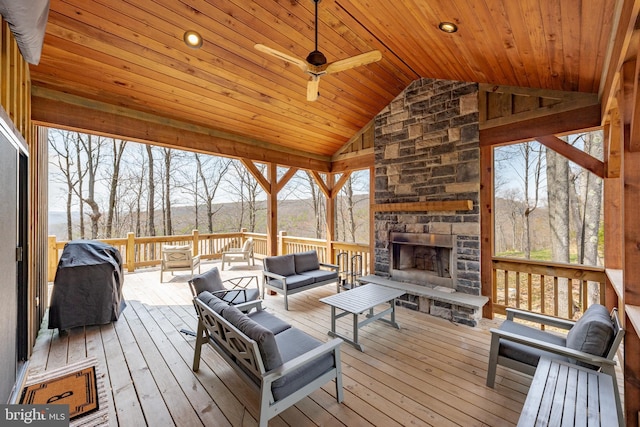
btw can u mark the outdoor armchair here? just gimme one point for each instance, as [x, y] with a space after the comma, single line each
[178, 258]
[592, 342]
[243, 254]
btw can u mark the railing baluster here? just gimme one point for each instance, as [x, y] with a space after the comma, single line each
[555, 295]
[570, 297]
[506, 287]
[585, 295]
[542, 294]
[517, 289]
[530, 291]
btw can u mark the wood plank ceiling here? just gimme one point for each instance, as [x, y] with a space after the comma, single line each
[130, 54]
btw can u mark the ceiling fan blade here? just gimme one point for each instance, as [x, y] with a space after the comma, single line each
[354, 61]
[288, 58]
[312, 88]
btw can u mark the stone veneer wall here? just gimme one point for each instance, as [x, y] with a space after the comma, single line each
[427, 149]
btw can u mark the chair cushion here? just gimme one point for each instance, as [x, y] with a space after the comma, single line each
[306, 261]
[320, 275]
[269, 321]
[283, 265]
[215, 303]
[524, 353]
[293, 343]
[240, 296]
[593, 332]
[208, 281]
[261, 335]
[176, 247]
[247, 245]
[293, 282]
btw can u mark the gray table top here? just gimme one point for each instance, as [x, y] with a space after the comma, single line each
[362, 298]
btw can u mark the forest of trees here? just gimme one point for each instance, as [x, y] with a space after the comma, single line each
[548, 208]
[108, 187]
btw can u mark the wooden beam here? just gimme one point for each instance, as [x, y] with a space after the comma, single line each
[353, 162]
[255, 172]
[321, 184]
[339, 184]
[436, 205]
[579, 119]
[626, 14]
[286, 178]
[631, 76]
[574, 154]
[150, 129]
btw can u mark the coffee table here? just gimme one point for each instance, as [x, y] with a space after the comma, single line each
[358, 300]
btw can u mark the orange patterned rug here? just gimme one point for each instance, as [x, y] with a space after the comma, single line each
[77, 385]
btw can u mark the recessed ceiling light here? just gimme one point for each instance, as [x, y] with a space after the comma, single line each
[192, 39]
[448, 27]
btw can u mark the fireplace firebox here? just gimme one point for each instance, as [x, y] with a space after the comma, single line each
[423, 258]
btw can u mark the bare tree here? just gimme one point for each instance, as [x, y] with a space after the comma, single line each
[151, 201]
[92, 145]
[558, 200]
[118, 151]
[211, 171]
[61, 143]
[318, 206]
[247, 189]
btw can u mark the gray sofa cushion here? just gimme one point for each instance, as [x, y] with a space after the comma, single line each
[293, 282]
[293, 343]
[283, 265]
[306, 261]
[208, 281]
[215, 303]
[593, 332]
[321, 275]
[525, 353]
[269, 321]
[264, 337]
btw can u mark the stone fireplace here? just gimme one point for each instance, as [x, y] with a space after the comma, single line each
[427, 151]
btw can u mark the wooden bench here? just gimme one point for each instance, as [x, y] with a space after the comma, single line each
[459, 301]
[564, 394]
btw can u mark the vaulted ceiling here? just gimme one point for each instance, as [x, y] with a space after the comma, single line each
[130, 54]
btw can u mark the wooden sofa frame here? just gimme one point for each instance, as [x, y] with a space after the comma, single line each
[243, 355]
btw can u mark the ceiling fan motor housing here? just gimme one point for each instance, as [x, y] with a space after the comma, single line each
[316, 58]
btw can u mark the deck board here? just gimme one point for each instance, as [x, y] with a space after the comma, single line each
[430, 372]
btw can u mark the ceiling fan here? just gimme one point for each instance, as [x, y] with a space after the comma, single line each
[316, 63]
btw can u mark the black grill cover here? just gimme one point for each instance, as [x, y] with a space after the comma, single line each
[88, 286]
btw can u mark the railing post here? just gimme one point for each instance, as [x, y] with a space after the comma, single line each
[52, 255]
[281, 245]
[131, 252]
[196, 242]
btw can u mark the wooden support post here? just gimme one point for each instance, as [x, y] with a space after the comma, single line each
[53, 258]
[486, 227]
[372, 218]
[282, 248]
[631, 201]
[196, 242]
[272, 209]
[131, 252]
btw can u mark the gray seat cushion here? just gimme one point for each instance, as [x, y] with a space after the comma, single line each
[306, 261]
[293, 343]
[593, 333]
[524, 353]
[262, 336]
[269, 321]
[283, 265]
[208, 281]
[320, 275]
[239, 296]
[293, 282]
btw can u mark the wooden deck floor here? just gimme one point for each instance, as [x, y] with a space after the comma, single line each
[430, 372]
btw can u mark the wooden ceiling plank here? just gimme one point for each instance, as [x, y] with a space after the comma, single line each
[573, 154]
[110, 46]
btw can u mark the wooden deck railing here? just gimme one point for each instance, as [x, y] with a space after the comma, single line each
[536, 286]
[139, 252]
